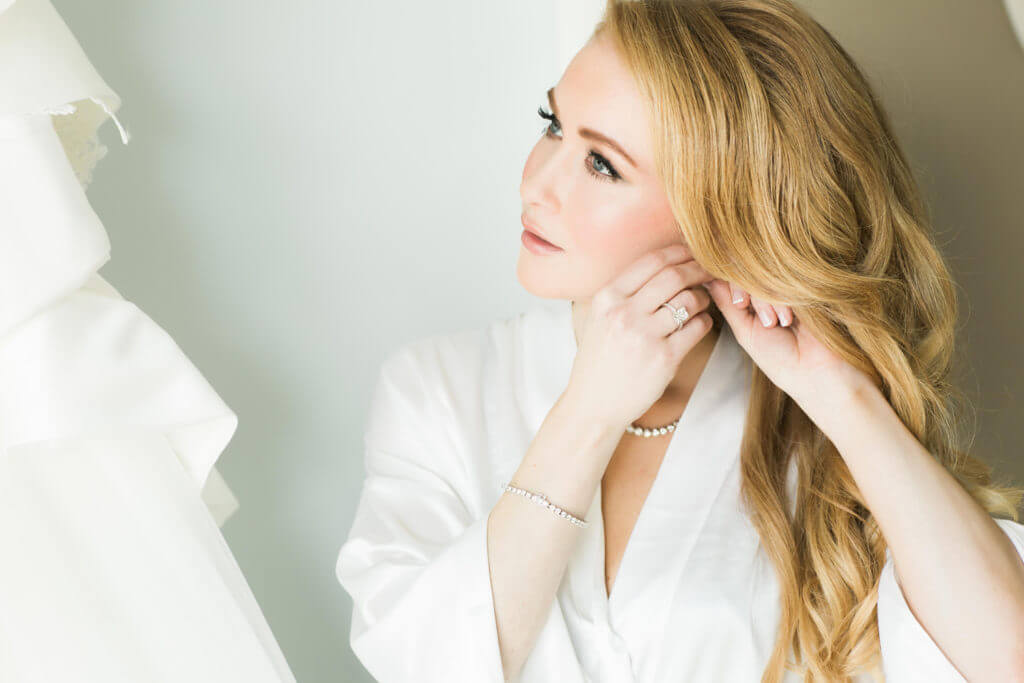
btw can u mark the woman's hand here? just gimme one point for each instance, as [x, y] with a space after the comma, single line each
[791, 357]
[629, 347]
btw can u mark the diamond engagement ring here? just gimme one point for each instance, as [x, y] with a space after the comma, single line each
[680, 315]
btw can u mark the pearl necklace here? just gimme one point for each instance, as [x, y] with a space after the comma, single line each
[654, 431]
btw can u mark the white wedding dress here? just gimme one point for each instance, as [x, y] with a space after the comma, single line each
[113, 566]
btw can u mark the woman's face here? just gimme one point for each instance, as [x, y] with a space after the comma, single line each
[602, 206]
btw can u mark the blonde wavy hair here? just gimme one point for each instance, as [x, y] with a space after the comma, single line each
[783, 173]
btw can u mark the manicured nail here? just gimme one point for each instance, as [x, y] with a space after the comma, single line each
[737, 299]
[766, 319]
[784, 319]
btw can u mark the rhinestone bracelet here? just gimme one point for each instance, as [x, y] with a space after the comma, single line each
[543, 500]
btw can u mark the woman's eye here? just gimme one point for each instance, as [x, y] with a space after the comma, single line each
[552, 121]
[600, 160]
[591, 168]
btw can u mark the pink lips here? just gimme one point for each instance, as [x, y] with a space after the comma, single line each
[534, 241]
[537, 245]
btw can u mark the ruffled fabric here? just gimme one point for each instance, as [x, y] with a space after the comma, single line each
[64, 373]
[44, 70]
[114, 567]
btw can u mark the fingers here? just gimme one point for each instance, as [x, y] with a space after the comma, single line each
[647, 266]
[739, 297]
[765, 312]
[738, 315]
[785, 314]
[768, 314]
[695, 301]
[687, 336]
[667, 283]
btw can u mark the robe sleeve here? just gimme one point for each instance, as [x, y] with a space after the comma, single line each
[908, 653]
[415, 560]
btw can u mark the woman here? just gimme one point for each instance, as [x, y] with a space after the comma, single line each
[739, 415]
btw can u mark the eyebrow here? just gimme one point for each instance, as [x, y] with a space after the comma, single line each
[591, 134]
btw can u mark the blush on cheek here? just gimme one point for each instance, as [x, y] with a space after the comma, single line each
[599, 234]
[614, 250]
[624, 230]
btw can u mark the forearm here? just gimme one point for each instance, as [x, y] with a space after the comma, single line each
[528, 546]
[961, 575]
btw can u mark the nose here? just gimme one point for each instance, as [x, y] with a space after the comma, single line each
[541, 181]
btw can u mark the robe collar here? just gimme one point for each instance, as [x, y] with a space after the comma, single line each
[700, 466]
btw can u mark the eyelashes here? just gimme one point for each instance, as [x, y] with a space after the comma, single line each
[589, 167]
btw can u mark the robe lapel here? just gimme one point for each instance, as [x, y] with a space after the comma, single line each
[702, 453]
[693, 497]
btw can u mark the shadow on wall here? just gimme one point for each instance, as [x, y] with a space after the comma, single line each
[1015, 8]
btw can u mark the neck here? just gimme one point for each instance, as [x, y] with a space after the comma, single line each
[677, 392]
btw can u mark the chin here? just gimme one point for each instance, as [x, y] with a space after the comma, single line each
[553, 283]
[546, 283]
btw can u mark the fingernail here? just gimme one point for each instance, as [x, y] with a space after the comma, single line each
[784, 319]
[737, 299]
[765, 319]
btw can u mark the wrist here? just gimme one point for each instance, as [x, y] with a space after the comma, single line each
[837, 400]
[588, 417]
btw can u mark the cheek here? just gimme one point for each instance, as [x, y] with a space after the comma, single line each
[613, 231]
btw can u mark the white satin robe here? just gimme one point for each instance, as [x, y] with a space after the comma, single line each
[695, 597]
[112, 565]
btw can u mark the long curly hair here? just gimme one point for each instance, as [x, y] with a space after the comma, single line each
[783, 173]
